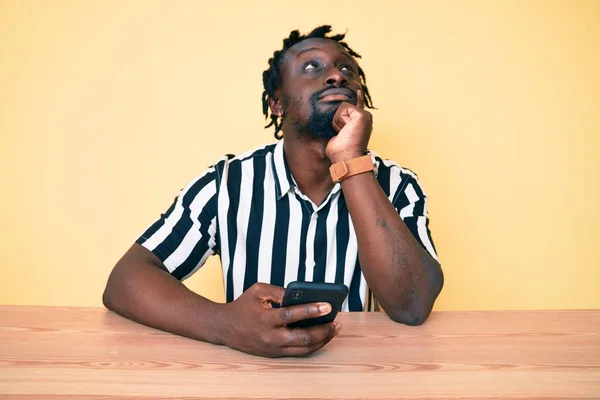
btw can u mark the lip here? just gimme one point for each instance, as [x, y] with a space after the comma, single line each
[337, 94]
[336, 97]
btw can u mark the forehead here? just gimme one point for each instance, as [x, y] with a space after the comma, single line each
[328, 46]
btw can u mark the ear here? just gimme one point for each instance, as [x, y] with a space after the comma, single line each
[275, 104]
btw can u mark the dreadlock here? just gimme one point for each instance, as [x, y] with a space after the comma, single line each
[272, 76]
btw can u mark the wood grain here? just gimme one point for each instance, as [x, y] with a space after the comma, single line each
[83, 353]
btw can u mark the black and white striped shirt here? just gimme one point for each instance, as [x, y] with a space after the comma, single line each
[249, 210]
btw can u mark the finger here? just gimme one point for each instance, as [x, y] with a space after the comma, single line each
[268, 293]
[341, 116]
[337, 124]
[337, 121]
[306, 337]
[361, 100]
[301, 351]
[288, 315]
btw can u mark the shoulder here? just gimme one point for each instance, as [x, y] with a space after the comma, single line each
[259, 152]
[389, 167]
[211, 178]
[395, 178]
[392, 166]
[237, 163]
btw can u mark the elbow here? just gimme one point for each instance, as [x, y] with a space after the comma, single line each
[107, 296]
[111, 291]
[437, 282]
[106, 299]
[418, 310]
[409, 317]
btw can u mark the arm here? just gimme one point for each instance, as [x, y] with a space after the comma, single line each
[405, 279]
[140, 289]
[145, 286]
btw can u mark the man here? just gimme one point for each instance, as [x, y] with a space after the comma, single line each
[312, 207]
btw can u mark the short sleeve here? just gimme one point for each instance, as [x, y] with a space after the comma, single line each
[411, 202]
[186, 234]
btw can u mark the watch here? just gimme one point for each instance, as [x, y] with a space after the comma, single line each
[344, 169]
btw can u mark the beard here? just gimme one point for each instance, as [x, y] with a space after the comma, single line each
[320, 123]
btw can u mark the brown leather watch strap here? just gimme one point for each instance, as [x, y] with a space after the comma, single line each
[344, 169]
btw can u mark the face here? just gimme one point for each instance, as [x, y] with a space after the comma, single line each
[317, 76]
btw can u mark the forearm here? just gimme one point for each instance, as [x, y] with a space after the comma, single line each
[405, 279]
[140, 290]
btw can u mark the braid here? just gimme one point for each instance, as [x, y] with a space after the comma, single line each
[272, 76]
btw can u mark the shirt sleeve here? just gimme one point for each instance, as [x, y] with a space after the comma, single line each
[411, 202]
[186, 234]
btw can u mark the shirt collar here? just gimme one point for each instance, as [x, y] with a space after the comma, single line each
[283, 176]
[281, 171]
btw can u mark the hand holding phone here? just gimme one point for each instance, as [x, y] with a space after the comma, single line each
[315, 292]
[253, 324]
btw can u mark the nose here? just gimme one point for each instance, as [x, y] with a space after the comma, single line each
[334, 77]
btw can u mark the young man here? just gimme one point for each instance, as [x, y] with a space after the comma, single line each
[316, 206]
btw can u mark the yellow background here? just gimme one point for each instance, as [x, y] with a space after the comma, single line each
[108, 108]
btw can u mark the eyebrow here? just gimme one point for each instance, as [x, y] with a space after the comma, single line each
[319, 49]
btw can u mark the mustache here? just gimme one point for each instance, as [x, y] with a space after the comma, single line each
[314, 99]
[319, 93]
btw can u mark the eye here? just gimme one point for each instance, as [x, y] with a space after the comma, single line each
[346, 68]
[310, 66]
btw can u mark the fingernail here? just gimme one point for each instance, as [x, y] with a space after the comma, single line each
[324, 308]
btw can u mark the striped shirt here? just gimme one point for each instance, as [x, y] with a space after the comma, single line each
[249, 210]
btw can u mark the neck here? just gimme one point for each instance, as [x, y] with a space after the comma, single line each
[309, 165]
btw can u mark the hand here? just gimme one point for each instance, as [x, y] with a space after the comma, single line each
[354, 125]
[255, 327]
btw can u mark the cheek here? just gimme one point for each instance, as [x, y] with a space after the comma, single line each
[291, 103]
[297, 104]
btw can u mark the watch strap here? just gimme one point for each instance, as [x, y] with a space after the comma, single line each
[347, 168]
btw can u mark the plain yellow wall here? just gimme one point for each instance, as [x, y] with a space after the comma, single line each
[108, 108]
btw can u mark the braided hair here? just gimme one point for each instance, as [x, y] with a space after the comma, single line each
[272, 76]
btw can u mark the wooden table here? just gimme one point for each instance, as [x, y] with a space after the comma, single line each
[79, 353]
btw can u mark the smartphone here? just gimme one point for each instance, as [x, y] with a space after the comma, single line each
[315, 292]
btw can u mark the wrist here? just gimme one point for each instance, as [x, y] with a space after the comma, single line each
[219, 319]
[346, 155]
[353, 166]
